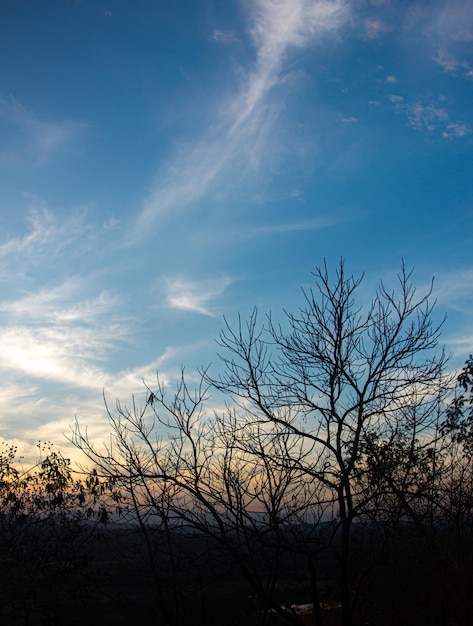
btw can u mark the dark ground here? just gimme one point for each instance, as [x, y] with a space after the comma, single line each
[112, 579]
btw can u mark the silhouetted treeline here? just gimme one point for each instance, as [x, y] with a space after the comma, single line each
[338, 477]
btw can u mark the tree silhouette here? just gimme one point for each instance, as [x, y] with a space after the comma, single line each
[47, 522]
[332, 419]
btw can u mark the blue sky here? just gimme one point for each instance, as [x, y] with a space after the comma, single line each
[166, 163]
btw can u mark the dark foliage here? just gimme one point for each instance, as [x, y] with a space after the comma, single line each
[333, 479]
[47, 521]
[460, 412]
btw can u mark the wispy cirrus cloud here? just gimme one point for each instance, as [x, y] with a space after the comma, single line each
[71, 356]
[40, 404]
[461, 346]
[56, 359]
[195, 296]
[224, 37]
[41, 139]
[58, 334]
[61, 353]
[45, 238]
[54, 305]
[455, 289]
[454, 293]
[42, 231]
[243, 122]
[288, 227]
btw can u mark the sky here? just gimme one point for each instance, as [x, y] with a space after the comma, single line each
[166, 163]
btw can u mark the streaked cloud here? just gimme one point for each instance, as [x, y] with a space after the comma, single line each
[243, 121]
[63, 354]
[455, 289]
[290, 227]
[42, 139]
[224, 37]
[195, 296]
[42, 231]
[42, 405]
[47, 336]
[54, 306]
[461, 346]
[454, 293]
[46, 237]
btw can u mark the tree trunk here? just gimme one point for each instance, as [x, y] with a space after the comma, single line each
[347, 619]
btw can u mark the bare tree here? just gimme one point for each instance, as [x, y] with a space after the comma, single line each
[347, 382]
[232, 488]
[332, 418]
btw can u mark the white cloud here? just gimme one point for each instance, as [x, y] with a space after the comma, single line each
[463, 34]
[224, 37]
[60, 334]
[45, 239]
[456, 129]
[195, 296]
[455, 290]
[461, 346]
[42, 231]
[453, 66]
[64, 352]
[450, 20]
[54, 306]
[46, 412]
[243, 124]
[61, 354]
[425, 116]
[289, 227]
[45, 139]
[374, 28]
[52, 374]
